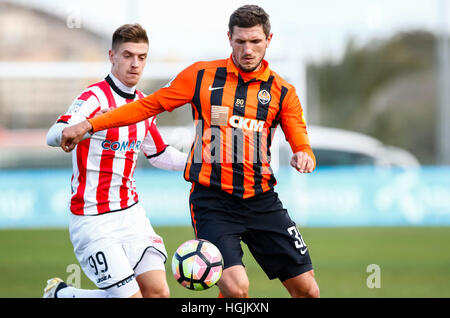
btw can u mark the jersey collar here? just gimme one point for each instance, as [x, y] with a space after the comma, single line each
[262, 74]
[120, 92]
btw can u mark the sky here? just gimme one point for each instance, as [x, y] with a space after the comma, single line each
[303, 29]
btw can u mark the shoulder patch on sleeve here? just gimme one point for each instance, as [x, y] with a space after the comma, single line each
[76, 105]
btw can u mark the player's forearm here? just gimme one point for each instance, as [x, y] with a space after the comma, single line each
[170, 159]
[128, 114]
[299, 141]
[54, 134]
[294, 129]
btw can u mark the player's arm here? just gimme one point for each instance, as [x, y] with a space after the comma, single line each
[294, 128]
[177, 93]
[169, 159]
[159, 154]
[77, 112]
[54, 134]
[122, 116]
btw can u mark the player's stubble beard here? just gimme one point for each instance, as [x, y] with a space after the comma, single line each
[251, 69]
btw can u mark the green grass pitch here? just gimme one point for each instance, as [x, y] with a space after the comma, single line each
[413, 261]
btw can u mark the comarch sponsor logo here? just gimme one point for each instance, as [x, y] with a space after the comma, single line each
[246, 123]
[121, 145]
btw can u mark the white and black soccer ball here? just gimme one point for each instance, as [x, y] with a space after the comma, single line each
[197, 264]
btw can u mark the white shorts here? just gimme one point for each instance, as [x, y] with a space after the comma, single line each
[114, 248]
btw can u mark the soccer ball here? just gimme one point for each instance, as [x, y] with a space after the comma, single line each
[197, 264]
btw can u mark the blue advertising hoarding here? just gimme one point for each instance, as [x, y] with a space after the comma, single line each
[346, 196]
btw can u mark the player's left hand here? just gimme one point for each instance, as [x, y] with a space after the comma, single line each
[302, 162]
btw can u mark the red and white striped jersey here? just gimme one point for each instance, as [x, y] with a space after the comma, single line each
[103, 165]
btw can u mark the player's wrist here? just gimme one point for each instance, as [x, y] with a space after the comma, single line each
[87, 127]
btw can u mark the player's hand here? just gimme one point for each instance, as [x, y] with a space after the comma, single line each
[302, 162]
[72, 135]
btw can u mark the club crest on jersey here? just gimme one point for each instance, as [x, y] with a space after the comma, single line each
[264, 96]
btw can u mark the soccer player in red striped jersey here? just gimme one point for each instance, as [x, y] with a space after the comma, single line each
[237, 103]
[112, 237]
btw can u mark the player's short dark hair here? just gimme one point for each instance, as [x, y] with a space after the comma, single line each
[129, 33]
[248, 16]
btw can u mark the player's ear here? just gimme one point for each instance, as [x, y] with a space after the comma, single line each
[269, 38]
[111, 56]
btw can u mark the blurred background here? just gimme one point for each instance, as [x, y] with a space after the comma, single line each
[374, 81]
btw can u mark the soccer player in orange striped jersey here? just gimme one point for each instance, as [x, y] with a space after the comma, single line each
[237, 104]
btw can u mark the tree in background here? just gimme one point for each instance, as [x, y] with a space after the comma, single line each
[385, 88]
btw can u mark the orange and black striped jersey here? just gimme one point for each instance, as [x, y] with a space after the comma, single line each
[235, 116]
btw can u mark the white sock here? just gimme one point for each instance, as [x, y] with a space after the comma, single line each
[72, 292]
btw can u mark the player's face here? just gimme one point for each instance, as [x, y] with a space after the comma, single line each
[128, 61]
[249, 47]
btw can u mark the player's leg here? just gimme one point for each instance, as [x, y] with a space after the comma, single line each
[234, 282]
[57, 288]
[72, 292]
[277, 245]
[290, 266]
[214, 221]
[106, 264]
[114, 262]
[151, 275]
[108, 267]
[146, 253]
[303, 286]
[153, 284]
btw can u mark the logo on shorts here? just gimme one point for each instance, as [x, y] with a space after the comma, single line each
[156, 240]
[125, 281]
[264, 96]
[103, 277]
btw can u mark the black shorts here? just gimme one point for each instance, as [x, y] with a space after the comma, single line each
[261, 222]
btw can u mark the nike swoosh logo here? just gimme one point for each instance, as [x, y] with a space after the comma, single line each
[214, 88]
[303, 251]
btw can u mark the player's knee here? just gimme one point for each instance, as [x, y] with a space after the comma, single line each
[234, 282]
[165, 293]
[161, 294]
[236, 290]
[312, 291]
[156, 292]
